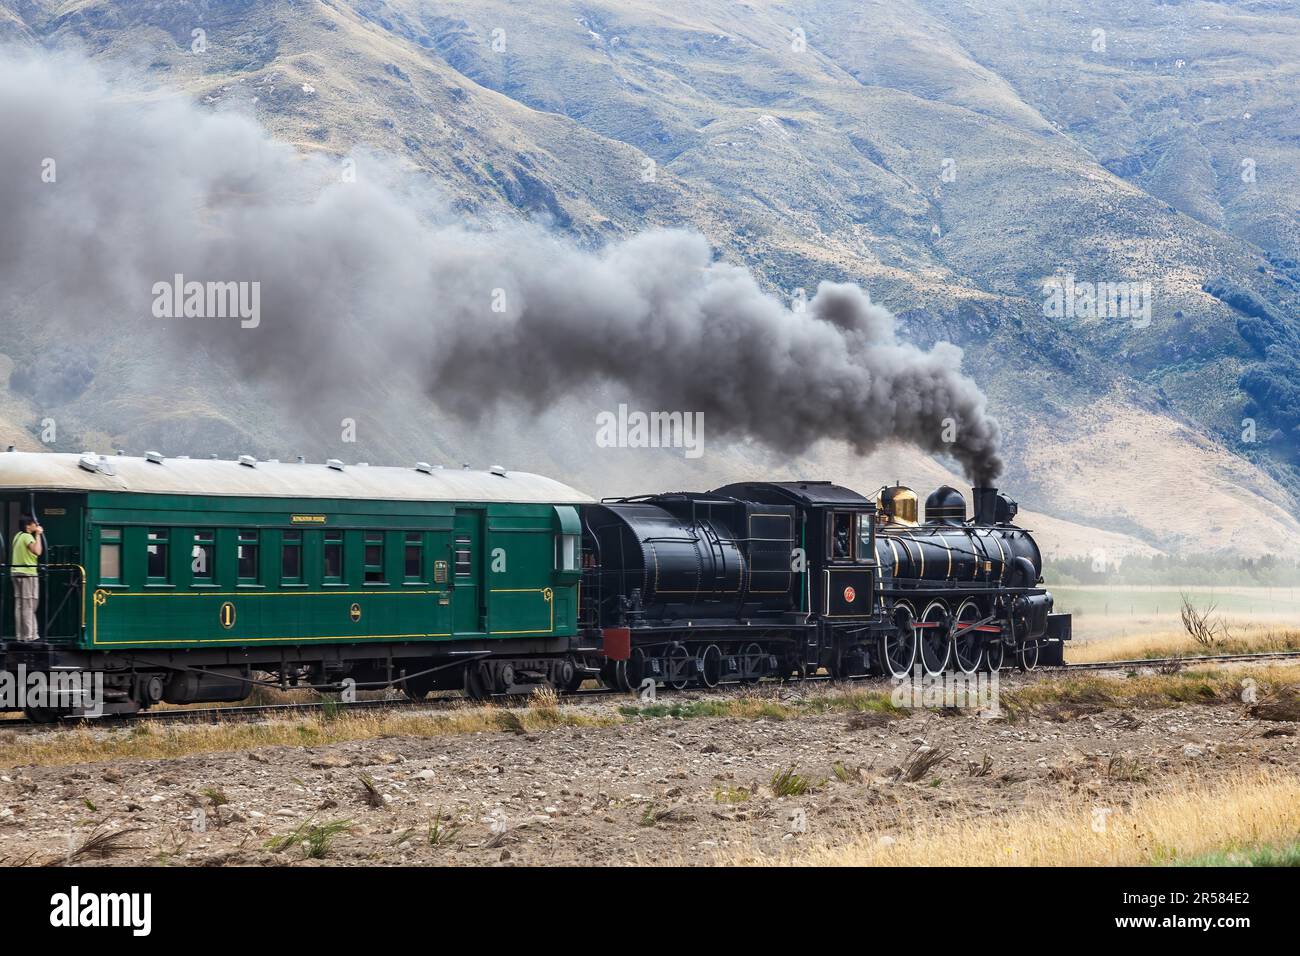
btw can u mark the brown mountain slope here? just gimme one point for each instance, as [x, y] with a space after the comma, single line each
[825, 161]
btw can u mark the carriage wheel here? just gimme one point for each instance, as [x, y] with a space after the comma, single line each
[417, 688]
[1027, 655]
[898, 645]
[967, 650]
[935, 645]
[46, 715]
[579, 678]
[478, 682]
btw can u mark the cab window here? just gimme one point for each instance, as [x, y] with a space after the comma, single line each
[864, 538]
[566, 552]
[842, 535]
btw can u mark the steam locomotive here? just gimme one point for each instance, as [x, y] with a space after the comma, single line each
[776, 579]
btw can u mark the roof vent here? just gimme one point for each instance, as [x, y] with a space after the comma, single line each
[498, 470]
[12, 448]
[464, 466]
[182, 457]
[154, 456]
[424, 467]
[88, 463]
[363, 464]
[302, 460]
[334, 463]
[106, 467]
[248, 461]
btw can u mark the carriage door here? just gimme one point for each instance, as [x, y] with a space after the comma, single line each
[467, 594]
[59, 610]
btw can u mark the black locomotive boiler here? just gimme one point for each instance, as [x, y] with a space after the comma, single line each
[780, 579]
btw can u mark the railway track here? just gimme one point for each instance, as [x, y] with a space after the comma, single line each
[1171, 661]
[254, 711]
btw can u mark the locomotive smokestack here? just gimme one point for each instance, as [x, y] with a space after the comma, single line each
[986, 504]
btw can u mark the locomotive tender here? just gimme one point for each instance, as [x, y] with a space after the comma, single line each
[186, 581]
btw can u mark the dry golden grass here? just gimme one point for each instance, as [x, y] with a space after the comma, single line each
[1245, 637]
[154, 740]
[1164, 826]
[149, 740]
[1065, 697]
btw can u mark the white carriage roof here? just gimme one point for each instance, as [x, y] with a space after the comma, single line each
[48, 471]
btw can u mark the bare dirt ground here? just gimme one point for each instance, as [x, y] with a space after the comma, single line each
[654, 790]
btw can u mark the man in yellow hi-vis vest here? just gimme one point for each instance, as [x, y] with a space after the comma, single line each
[28, 545]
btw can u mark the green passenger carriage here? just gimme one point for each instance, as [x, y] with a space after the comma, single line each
[185, 580]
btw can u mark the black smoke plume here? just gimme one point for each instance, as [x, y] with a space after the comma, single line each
[360, 277]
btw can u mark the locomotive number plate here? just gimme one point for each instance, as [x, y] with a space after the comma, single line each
[227, 615]
[850, 595]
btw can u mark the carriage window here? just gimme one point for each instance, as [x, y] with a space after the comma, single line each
[110, 555]
[291, 557]
[157, 556]
[201, 557]
[566, 552]
[333, 557]
[414, 557]
[247, 555]
[374, 557]
[464, 556]
[842, 534]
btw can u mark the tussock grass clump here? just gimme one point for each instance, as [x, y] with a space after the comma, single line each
[920, 762]
[315, 839]
[1125, 769]
[654, 814]
[442, 830]
[788, 783]
[981, 769]
[100, 844]
[1164, 826]
[370, 791]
